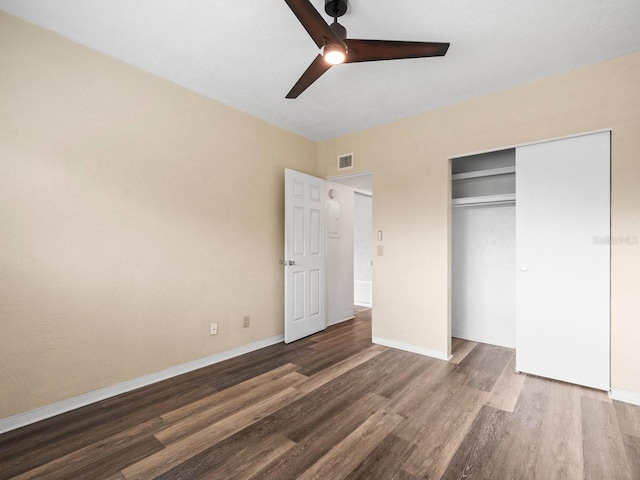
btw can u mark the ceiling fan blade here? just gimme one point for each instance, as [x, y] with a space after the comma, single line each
[372, 50]
[313, 23]
[311, 74]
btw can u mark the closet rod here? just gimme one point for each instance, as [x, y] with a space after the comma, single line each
[483, 173]
[484, 200]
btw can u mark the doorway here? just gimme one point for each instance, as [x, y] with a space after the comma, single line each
[320, 251]
[360, 273]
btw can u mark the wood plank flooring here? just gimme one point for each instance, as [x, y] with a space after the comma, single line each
[333, 406]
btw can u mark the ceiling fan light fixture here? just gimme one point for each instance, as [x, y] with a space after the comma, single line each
[334, 54]
[336, 48]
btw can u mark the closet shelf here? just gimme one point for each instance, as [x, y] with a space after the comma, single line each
[483, 173]
[484, 200]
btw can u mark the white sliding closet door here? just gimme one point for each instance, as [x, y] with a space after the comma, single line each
[562, 256]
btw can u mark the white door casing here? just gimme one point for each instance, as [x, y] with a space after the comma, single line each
[305, 252]
[563, 259]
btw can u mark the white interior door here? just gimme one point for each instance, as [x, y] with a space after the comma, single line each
[305, 250]
[562, 256]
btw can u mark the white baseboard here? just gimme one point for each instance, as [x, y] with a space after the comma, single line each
[625, 396]
[427, 352]
[340, 321]
[482, 339]
[362, 304]
[42, 413]
[362, 292]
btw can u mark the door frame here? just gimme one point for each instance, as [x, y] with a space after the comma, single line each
[358, 191]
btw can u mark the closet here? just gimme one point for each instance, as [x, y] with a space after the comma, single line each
[531, 256]
[483, 248]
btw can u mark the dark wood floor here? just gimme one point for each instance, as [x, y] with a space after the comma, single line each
[334, 406]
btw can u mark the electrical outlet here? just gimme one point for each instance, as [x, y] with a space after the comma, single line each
[213, 329]
[246, 321]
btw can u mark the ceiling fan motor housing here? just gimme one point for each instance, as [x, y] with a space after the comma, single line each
[339, 30]
[335, 8]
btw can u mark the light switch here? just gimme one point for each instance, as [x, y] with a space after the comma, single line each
[379, 235]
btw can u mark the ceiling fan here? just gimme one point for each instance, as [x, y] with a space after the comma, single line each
[336, 48]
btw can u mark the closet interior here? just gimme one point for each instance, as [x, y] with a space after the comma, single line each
[483, 248]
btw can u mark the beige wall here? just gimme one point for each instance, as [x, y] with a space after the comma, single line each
[409, 161]
[132, 214]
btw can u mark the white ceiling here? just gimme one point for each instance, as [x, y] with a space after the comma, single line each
[249, 53]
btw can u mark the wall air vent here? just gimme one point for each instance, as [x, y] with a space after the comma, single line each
[345, 161]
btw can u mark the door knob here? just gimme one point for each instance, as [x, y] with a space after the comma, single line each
[291, 262]
[523, 269]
